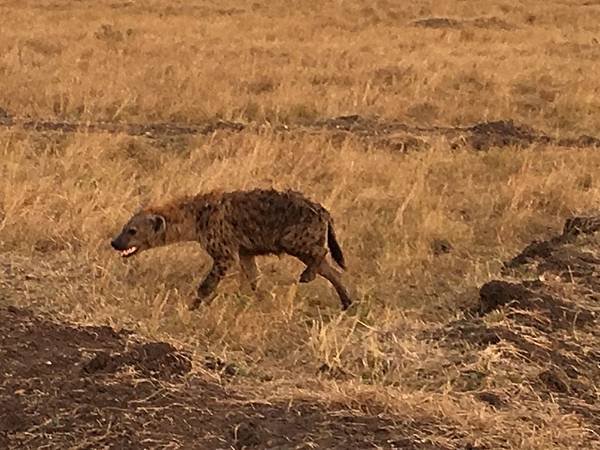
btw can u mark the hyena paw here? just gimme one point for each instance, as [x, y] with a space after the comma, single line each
[307, 276]
[194, 303]
[201, 300]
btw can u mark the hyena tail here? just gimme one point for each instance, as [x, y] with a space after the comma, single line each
[334, 247]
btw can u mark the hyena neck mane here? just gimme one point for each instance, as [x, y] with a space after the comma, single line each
[179, 221]
[184, 216]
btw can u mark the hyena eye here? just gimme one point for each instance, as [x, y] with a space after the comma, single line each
[132, 231]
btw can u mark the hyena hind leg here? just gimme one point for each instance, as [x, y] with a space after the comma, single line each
[313, 261]
[326, 271]
[307, 243]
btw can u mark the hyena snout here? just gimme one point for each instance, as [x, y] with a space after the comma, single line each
[118, 243]
[124, 246]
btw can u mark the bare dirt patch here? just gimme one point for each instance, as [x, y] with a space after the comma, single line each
[132, 129]
[481, 136]
[447, 22]
[500, 134]
[393, 135]
[505, 133]
[63, 385]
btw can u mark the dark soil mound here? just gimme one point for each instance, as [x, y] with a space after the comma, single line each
[502, 133]
[389, 134]
[479, 22]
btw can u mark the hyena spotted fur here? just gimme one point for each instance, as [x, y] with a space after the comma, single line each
[235, 227]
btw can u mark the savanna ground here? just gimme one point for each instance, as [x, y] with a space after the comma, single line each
[444, 137]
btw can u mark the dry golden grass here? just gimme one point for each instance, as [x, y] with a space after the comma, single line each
[62, 196]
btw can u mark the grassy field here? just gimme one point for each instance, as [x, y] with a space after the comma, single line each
[281, 70]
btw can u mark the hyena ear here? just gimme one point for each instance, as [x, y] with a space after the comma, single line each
[159, 224]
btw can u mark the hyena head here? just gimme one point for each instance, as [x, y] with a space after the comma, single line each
[144, 230]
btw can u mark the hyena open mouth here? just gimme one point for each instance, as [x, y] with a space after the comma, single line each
[129, 252]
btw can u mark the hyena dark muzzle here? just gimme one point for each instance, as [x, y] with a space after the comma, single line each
[122, 244]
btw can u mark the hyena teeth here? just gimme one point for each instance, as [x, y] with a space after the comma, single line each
[129, 251]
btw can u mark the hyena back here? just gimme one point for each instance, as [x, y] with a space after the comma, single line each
[235, 227]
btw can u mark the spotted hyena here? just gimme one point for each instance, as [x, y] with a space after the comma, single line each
[235, 227]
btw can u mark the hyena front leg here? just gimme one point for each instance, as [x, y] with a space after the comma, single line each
[249, 271]
[206, 290]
